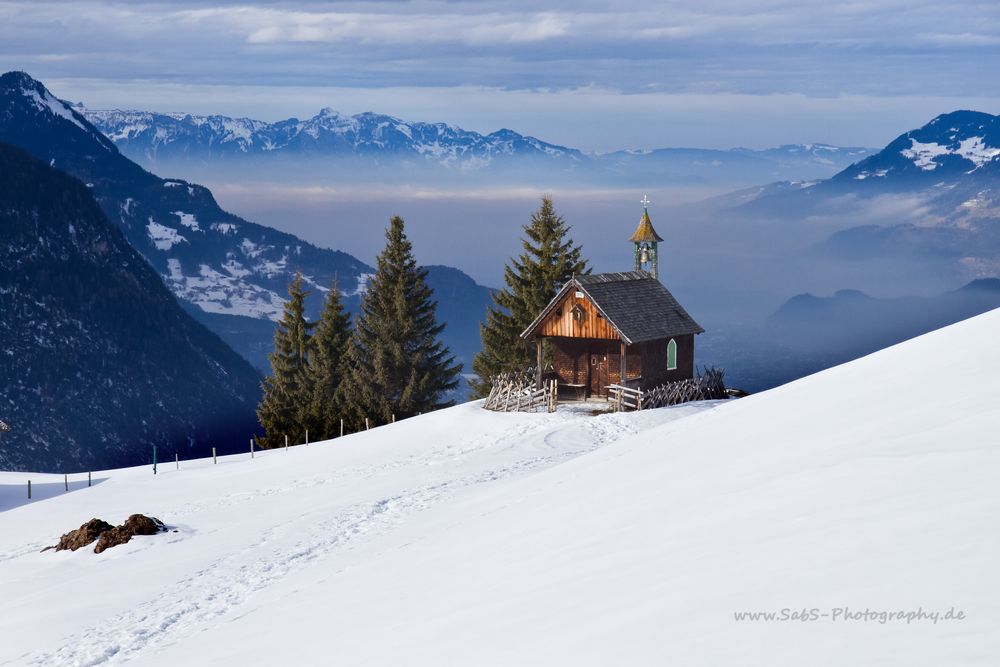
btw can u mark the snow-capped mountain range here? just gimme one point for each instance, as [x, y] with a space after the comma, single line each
[377, 143]
[955, 153]
[952, 164]
[932, 194]
[163, 135]
[952, 145]
[230, 273]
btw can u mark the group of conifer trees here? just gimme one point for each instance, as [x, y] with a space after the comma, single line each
[549, 258]
[391, 365]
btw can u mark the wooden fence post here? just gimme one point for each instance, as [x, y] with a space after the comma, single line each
[307, 436]
[154, 459]
[88, 480]
[177, 460]
[286, 442]
[66, 482]
[393, 417]
[366, 424]
[214, 460]
[341, 428]
[29, 489]
[251, 447]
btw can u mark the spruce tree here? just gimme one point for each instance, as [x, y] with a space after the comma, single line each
[397, 365]
[326, 366]
[285, 390]
[548, 260]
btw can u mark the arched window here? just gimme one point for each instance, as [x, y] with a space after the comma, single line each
[672, 355]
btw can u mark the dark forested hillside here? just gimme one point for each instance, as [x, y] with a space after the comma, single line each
[99, 362]
[230, 273]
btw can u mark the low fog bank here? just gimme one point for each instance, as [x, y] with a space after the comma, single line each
[731, 270]
[725, 265]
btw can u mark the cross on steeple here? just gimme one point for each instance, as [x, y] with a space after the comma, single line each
[645, 201]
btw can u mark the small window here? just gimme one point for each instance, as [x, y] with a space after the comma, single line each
[579, 295]
[672, 355]
[577, 313]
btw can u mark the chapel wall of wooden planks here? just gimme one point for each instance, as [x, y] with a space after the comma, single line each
[654, 360]
[594, 363]
[577, 317]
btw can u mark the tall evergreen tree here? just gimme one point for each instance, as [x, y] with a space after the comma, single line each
[280, 409]
[397, 364]
[326, 367]
[549, 259]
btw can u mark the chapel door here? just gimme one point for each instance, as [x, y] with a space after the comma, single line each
[598, 373]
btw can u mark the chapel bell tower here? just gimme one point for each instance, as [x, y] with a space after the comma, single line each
[645, 239]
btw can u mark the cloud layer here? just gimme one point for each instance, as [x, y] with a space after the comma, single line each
[564, 53]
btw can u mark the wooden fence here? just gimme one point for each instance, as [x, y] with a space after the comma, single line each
[625, 398]
[516, 392]
[709, 385]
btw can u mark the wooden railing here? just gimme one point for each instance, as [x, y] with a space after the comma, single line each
[709, 385]
[625, 398]
[516, 392]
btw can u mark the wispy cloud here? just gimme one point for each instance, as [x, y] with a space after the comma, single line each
[276, 26]
[913, 49]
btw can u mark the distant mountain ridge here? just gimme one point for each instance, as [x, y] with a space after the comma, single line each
[379, 142]
[166, 135]
[852, 322]
[100, 362]
[951, 145]
[231, 273]
[932, 193]
[809, 333]
[953, 161]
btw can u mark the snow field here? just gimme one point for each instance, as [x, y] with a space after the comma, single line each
[243, 526]
[469, 537]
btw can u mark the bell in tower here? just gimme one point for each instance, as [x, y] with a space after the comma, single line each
[645, 239]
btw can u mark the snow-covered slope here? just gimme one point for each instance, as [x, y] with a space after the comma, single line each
[466, 537]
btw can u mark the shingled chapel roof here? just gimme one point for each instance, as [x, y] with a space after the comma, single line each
[637, 305]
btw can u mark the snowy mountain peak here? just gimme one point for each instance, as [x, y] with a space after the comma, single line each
[19, 92]
[950, 145]
[970, 135]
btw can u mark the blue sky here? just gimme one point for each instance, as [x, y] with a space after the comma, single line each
[598, 76]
